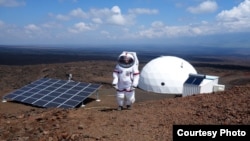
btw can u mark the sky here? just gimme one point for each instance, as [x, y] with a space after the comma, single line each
[224, 23]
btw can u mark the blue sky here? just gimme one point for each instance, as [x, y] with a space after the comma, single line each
[166, 22]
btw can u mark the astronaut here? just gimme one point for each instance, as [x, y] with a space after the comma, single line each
[126, 79]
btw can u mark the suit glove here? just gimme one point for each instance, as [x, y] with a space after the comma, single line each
[132, 88]
[115, 86]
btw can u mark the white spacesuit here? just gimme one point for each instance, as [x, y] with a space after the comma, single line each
[126, 79]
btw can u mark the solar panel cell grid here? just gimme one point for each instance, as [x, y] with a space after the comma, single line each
[55, 94]
[89, 90]
[37, 96]
[40, 103]
[59, 100]
[27, 94]
[95, 86]
[194, 80]
[29, 100]
[19, 98]
[47, 92]
[34, 90]
[10, 96]
[52, 104]
[76, 98]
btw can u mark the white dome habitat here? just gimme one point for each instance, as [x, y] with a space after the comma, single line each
[165, 75]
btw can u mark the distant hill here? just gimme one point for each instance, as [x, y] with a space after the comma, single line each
[24, 55]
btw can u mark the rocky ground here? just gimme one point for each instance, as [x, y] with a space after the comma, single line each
[152, 116]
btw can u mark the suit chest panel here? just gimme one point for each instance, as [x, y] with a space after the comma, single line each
[125, 72]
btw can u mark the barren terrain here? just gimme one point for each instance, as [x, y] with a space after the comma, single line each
[151, 118]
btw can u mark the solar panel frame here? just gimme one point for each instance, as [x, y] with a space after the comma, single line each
[53, 93]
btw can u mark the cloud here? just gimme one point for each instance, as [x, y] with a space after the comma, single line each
[32, 27]
[117, 19]
[79, 21]
[204, 7]
[32, 31]
[116, 16]
[240, 12]
[116, 10]
[160, 30]
[157, 24]
[78, 13]
[80, 27]
[111, 16]
[237, 18]
[100, 13]
[51, 25]
[143, 11]
[11, 3]
[62, 17]
[97, 20]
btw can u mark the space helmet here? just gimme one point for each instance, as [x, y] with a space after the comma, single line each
[126, 60]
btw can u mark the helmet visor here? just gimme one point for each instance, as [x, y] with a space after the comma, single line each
[125, 61]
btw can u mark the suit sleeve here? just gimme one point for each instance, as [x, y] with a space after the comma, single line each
[136, 76]
[115, 76]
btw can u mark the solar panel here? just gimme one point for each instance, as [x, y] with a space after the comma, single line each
[51, 93]
[194, 80]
